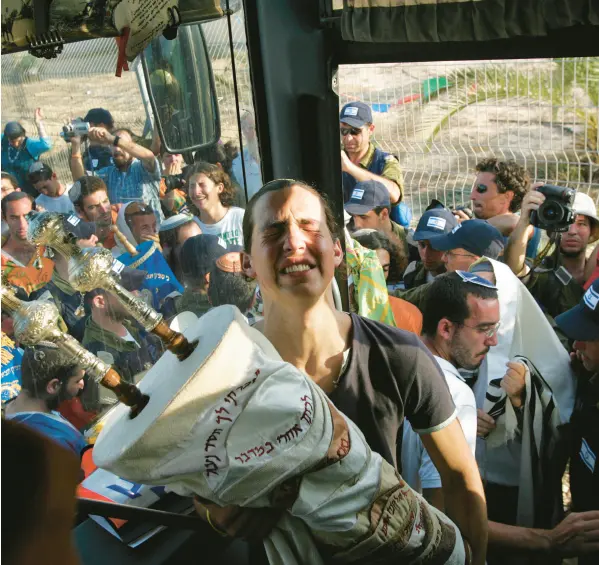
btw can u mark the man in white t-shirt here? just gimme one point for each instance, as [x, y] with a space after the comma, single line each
[54, 196]
[460, 322]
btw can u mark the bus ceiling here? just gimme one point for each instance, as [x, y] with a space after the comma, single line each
[41, 26]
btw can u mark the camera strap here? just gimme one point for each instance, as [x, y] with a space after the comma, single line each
[563, 275]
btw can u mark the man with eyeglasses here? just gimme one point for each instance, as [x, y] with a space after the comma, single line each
[437, 221]
[362, 161]
[462, 247]
[460, 321]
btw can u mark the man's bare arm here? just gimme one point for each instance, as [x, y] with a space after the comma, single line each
[515, 252]
[361, 175]
[434, 496]
[104, 137]
[577, 534]
[462, 486]
[591, 263]
[77, 168]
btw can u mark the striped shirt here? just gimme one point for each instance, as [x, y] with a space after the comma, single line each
[136, 184]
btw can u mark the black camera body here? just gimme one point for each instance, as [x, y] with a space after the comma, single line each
[556, 213]
[468, 211]
[174, 181]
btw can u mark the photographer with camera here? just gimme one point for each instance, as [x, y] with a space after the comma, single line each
[96, 156]
[556, 283]
[135, 174]
[173, 175]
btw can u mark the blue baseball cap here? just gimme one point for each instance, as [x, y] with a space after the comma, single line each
[356, 114]
[581, 323]
[367, 195]
[434, 222]
[476, 236]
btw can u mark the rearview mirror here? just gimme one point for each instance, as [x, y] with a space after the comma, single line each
[180, 85]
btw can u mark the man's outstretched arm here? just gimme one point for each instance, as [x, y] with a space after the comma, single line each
[462, 486]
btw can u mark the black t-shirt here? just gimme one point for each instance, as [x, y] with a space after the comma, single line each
[390, 375]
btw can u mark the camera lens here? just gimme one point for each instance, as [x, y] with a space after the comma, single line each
[551, 212]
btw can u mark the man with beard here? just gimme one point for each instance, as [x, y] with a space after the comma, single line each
[96, 157]
[49, 376]
[460, 322]
[118, 341]
[135, 174]
[557, 285]
[90, 198]
[461, 319]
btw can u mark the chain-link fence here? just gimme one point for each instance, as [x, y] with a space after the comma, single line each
[217, 41]
[440, 119]
[80, 78]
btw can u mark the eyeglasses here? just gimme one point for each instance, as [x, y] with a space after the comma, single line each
[488, 332]
[353, 131]
[452, 254]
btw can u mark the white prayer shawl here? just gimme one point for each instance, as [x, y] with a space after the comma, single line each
[539, 435]
[524, 331]
[124, 228]
[235, 424]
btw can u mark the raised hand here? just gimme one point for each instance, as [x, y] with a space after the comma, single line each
[514, 383]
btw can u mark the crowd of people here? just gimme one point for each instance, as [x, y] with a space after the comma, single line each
[469, 359]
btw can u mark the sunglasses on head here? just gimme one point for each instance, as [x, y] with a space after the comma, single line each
[353, 131]
[475, 279]
[137, 209]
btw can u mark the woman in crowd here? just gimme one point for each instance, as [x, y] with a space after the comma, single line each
[223, 155]
[392, 257]
[374, 373]
[212, 196]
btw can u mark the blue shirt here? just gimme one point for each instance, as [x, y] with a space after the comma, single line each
[11, 370]
[136, 184]
[53, 426]
[17, 161]
[97, 157]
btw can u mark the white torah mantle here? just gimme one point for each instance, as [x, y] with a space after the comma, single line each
[235, 424]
